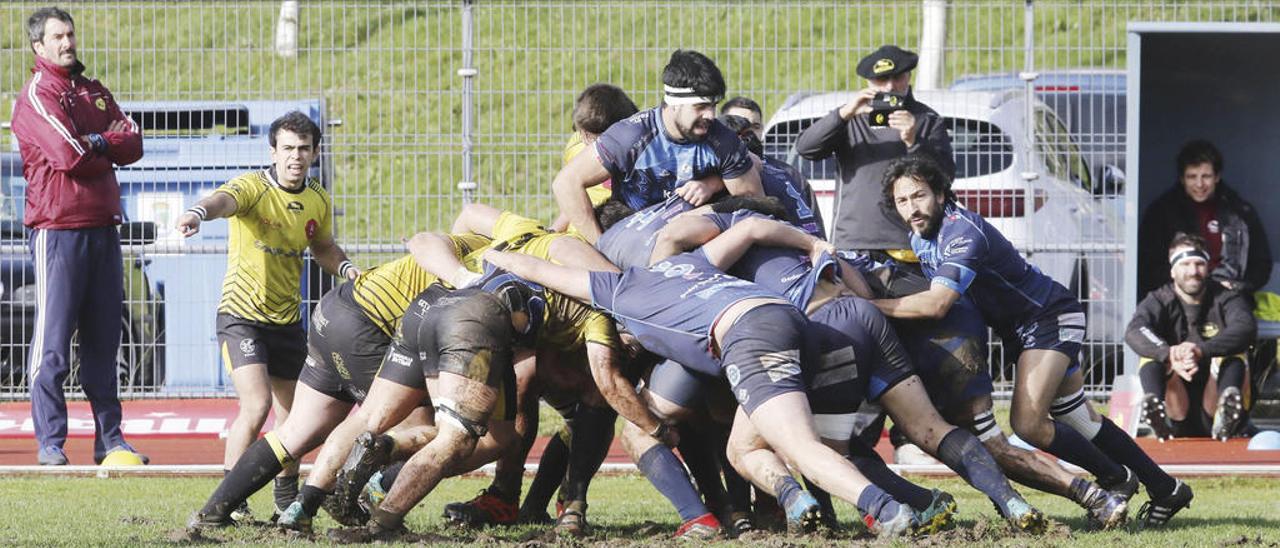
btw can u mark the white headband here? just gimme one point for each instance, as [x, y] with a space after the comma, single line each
[684, 96]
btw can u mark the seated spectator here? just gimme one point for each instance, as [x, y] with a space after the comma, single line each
[597, 107]
[1192, 336]
[1202, 204]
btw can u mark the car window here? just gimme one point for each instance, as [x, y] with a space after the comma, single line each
[779, 142]
[980, 147]
[1061, 155]
[12, 192]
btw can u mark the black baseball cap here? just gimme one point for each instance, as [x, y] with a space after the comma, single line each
[887, 61]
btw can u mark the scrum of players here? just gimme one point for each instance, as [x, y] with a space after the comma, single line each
[687, 288]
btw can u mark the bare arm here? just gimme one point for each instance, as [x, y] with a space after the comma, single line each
[571, 282]
[214, 206]
[436, 254]
[330, 256]
[853, 279]
[683, 233]
[748, 184]
[476, 218]
[725, 250]
[570, 189]
[930, 305]
[616, 389]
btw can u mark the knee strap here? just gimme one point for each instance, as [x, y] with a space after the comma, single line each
[445, 409]
[1073, 411]
[984, 426]
[278, 448]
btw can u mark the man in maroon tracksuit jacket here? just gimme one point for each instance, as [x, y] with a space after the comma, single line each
[70, 131]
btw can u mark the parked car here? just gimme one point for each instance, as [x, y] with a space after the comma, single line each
[1038, 192]
[139, 359]
[1091, 102]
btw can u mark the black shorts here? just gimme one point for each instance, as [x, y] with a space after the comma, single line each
[950, 354]
[344, 348]
[466, 332]
[1061, 329]
[856, 356]
[679, 384]
[761, 354]
[283, 348]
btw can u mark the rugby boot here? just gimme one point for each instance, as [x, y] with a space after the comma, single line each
[1226, 420]
[1024, 517]
[741, 523]
[938, 515]
[1105, 509]
[1153, 415]
[1157, 512]
[370, 454]
[573, 520]
[534, 516]
[373, 493]
[804, 514]
[294, 518]
[901, 523]
[242, 514]
[1125, 487]
[487, 508]
[201, 521]
[704, 527]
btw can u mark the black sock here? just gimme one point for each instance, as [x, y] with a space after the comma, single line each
[1124, 450]
[285, 491]
[253, 471]
[311, 498]
[1070, 445]
[551, 470]
[823, 498]
[704, 467]
[1153, 379]
[592, 434]
[1230, 373]
[961, 451]
[389, 474]
[869, 463]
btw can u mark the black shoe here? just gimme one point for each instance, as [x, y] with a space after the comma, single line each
[203, 522]
[370, 454]
[1124, 488]
[1157, 512]
[1153, 415]
[1106, 510]
[1230, 413]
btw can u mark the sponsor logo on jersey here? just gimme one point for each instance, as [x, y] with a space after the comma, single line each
[340, 365]
[1209, 330]
[312, 226]
[957, 246]
[294, 207]
[100, 103]
[401, 359]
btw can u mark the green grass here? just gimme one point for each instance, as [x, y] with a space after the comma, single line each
[147, 511]
[388, 71]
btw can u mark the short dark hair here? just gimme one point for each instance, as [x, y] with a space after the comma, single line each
[690, 69]
[742, 127]
[1183, 239]
[1198, 152]
[766, 205]
[742, 102]
[611, 211]
[35, 23]
[921, 168]
[600, 106]
[295, 122]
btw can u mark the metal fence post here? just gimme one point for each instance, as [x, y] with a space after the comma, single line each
[468, 72]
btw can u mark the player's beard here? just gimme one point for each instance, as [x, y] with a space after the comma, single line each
[933, 220]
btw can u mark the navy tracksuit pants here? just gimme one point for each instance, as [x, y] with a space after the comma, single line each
[79, 284]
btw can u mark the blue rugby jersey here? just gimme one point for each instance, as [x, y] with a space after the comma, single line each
[969, 255]
[784, 270]
[671, 306]
[630, 242]
[646, 165]
[784, 182]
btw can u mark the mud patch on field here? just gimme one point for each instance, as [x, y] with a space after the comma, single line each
[188, 537]
[992, 532]
[136, 520]
[1245, 540]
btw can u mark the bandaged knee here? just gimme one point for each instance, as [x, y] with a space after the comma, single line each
[984, 426]
[1073, 411]
[447, 410]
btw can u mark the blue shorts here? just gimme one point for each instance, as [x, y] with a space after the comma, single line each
[761, 354]
[950, 354]
[679, 385]
[1061, 329]
[856, 356]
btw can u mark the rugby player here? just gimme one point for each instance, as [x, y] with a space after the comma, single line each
[275, 215]
[1040, 321]
[678, 147]
[686, 310]
[857, 353]
[348, 336]
[598, 107]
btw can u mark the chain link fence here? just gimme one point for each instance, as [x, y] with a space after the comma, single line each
[425, 101]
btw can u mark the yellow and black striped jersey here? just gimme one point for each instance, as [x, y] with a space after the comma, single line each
[598, 194]
[567, 323]
[385, 291]
[269, 232]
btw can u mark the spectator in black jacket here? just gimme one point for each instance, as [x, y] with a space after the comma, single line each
[1192, 335]
[1202, 204]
